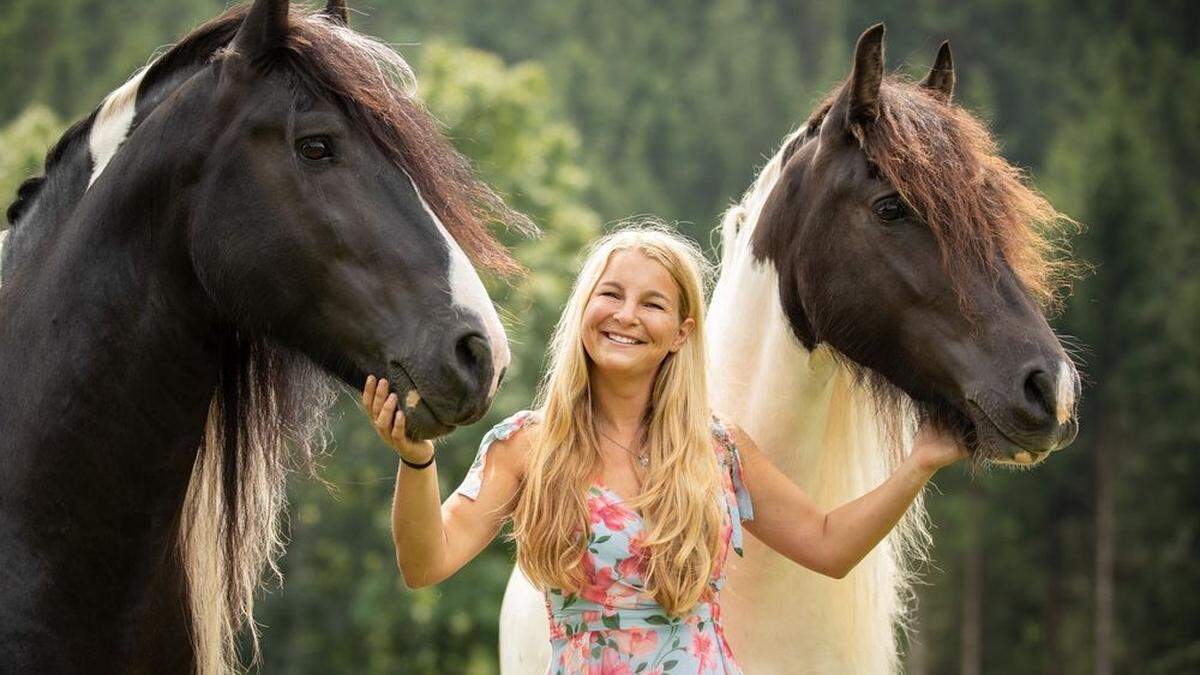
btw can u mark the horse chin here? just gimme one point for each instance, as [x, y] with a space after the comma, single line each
[420, 421]
[990, 445]
[421, 424]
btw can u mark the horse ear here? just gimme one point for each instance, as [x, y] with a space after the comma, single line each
[263, 29]
[940, 80]
[866, 77]
[337, 12]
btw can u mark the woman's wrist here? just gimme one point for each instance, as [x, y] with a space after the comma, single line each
[417, 455]
[925, 467]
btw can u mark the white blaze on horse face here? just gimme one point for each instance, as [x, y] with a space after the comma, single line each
[111, 125]
[467, 292]
[1065, 396]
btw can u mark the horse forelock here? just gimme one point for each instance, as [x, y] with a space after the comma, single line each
[370, 81]
[376, 87]
[982, 210]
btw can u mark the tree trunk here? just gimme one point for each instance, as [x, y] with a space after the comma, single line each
[1105, 551]
[972, 608]
[1053, 612]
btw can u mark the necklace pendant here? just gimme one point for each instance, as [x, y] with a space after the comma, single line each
[644, 460]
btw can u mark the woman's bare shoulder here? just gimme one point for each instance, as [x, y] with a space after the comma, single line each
[511, 451]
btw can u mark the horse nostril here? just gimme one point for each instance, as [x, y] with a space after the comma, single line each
[1040, 391]
[473, 353]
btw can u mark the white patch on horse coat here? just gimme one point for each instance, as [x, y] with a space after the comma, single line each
[524, 628]
[412, 399]
[467, 292]
[111, 125]
[1065, 396]
[3, 238]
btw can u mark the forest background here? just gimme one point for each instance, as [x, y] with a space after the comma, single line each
[586, 112]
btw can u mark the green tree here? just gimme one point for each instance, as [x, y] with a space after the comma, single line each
[25, 141]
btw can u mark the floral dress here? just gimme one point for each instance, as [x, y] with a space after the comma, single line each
[612, 626]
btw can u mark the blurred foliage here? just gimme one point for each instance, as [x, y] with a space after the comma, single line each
[25, 141]
[578, 108]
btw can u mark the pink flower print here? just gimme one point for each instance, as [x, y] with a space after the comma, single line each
[574, 658]
[598, 584]
[702, 647]
[611, 663]
[607, 508]
[637, 642]
[633, 565]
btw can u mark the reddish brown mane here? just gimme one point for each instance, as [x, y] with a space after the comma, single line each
[343, 65]
[981, 209]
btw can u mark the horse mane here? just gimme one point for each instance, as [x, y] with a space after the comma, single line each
[982, 210]
[267, 417]
[268, 411]
[31, 186]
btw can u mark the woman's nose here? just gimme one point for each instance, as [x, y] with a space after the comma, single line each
[625, 314]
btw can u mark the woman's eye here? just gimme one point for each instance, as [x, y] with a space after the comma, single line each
[651, 305]
[890, 208]
[315, 148]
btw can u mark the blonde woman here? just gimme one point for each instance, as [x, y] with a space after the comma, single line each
[626, 495]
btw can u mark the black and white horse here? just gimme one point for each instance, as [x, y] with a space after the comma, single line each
[263, 211]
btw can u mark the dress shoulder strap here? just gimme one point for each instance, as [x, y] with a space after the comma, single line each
[742, 508]
[473, 481]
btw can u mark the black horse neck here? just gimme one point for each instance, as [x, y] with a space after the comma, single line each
[109, 358]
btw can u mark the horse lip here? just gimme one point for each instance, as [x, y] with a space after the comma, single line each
[413, 386]
[981, 414]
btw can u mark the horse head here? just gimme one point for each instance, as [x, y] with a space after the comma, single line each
[903, 241]
[316, 220]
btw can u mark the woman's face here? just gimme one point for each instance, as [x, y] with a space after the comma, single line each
[632, 319]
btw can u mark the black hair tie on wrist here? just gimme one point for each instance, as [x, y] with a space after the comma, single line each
[418, 466]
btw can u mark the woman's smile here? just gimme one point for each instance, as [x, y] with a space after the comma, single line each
[622, 339]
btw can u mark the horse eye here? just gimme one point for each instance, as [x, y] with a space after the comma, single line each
[890, 208]
[315, 148]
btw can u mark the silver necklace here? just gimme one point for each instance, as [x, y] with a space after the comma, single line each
[643, 457]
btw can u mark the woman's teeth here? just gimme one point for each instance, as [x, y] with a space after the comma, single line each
[621, 340]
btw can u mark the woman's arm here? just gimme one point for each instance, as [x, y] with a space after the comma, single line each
[434, 540]
[832, 543]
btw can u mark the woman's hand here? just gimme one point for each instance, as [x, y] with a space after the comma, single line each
[381, 407]
[934, 447]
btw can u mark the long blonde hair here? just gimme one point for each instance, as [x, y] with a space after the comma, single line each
[679, 497]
